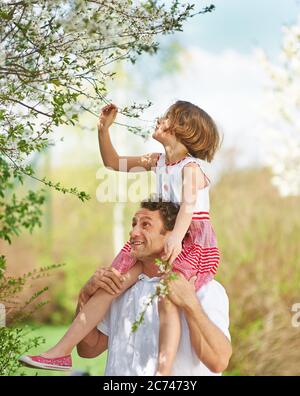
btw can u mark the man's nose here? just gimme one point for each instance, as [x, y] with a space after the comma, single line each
[135, 231]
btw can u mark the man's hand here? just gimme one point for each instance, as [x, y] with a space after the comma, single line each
[182, 292]
[108, 279]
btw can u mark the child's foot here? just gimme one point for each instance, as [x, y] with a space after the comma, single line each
[54, 353]
[63, 363]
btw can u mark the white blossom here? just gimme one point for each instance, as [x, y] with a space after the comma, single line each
[281, 140]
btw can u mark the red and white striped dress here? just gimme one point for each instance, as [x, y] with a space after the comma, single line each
[200, 255]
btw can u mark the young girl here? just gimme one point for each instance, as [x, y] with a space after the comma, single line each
[188, 135]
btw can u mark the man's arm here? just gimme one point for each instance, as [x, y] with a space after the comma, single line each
[210, 344]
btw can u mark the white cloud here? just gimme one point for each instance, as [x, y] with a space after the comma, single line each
[229, 86]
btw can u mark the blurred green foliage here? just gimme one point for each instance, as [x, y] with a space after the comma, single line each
[258, 233]
[14, 343]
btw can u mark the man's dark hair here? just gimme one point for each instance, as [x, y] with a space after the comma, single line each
[168, 210]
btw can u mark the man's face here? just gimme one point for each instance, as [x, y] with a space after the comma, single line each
[147, 235]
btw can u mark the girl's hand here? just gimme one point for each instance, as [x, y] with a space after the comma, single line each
[107, 116]
[172, 248]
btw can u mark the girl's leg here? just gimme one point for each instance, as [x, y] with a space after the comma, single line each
[169, 335]
[90, 315]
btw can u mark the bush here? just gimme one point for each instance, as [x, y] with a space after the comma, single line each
[14, 341]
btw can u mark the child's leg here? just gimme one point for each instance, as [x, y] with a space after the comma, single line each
[90, 315]
[169, 335]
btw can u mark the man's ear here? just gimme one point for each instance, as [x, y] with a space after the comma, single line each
[165, 233]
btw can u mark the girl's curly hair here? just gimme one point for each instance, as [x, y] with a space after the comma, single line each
[195, 129]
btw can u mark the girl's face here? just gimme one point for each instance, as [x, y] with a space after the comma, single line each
[162, 132]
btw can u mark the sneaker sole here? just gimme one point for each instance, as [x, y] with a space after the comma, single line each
[31, 363]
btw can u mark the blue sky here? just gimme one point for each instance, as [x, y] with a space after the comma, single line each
[240, 24]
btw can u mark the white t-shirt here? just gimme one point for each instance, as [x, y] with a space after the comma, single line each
[135, 354]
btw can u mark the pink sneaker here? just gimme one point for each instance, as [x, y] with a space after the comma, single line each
[63, 363]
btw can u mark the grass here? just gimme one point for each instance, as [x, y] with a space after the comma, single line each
[52, 334]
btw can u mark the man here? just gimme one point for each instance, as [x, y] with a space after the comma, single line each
[205, 346]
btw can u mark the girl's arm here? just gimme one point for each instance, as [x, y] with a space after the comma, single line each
[110, 157]
[193, 180]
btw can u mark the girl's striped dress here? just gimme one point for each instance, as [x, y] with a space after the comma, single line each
[200, 255]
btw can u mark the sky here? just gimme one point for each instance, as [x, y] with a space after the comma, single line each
[217, 68]
[241, 25]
